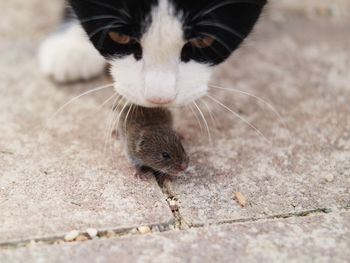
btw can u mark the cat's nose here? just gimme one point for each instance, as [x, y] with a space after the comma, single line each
[160, 87]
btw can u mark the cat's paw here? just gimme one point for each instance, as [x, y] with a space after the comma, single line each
[68, 56]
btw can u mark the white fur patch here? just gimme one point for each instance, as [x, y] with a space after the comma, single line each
[69, 56]
[161, 76]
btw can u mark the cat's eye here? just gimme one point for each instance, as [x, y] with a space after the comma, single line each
[202, 42]
[120, 38]
[166, 156]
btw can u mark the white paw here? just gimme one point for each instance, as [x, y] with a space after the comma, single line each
[69, 56]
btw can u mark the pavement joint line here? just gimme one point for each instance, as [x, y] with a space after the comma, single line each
[7, 152]
[304, 213]
[158, 228]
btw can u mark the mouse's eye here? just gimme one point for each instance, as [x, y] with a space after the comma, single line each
[166, 156]
[120, 38]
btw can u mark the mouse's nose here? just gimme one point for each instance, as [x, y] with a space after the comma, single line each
[183, 166]
[159, 101]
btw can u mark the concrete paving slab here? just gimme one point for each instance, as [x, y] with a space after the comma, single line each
[58, 179]
[55, 175]
[23, 20]
[335, 11]
[306, 165]
[317, 238]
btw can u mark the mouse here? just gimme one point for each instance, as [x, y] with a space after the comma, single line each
[151, 144]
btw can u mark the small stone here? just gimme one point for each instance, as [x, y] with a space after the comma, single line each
[184, 225]
[155, 229]
[172, 202]
[173, 205]
[144, 230]
[162, 228]
[110, 234]
[81, 238]
[329, 178]
[92, 232]
[294, 204]
[241, 199]
[71, 235]
[134, 231]
[31, 244]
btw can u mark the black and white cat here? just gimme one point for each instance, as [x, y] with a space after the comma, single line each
[161, 52]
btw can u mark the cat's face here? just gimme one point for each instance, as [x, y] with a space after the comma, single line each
[163, 51]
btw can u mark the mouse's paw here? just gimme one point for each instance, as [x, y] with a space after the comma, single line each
[68, 56]
[162, 178]
[139, 174]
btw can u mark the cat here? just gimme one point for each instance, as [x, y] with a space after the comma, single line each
[161, 52]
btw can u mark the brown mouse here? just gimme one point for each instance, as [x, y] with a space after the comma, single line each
[150, 142]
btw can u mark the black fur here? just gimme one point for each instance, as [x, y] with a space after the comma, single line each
[236, 19]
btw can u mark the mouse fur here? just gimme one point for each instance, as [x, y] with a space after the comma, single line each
[150, 142]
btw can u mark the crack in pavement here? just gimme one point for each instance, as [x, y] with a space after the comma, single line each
[172, 200]
[157, 228]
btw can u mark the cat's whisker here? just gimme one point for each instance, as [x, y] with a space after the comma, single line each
[110, 26]
[133, 110]
[116, 103]
[115, 95]
[166, 169]
[79, 96]
[102, 38]
[101, 17]
[109, 134]
[266, 103]
[126, 12]
[116, 120]
[120, 11]
[221, 26]
[234, 32]
[114, 127]
[205, 121]
[94, 18]
[113, 124]
[240, 117]
[219, 40]
[222, 4]
[44, 130]
[126, 117]
[210, 113]
[196, 117]
[113, 112]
